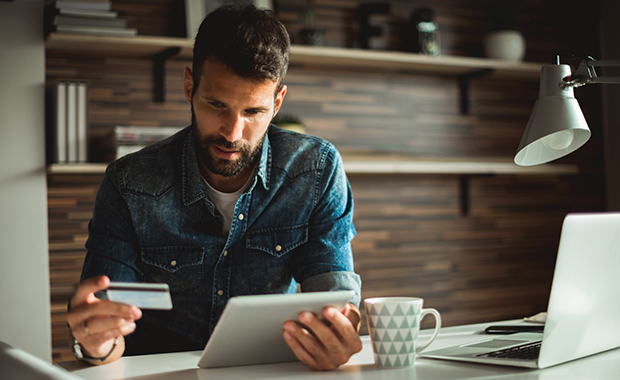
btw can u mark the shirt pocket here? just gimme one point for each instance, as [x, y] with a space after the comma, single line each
[277, 241]
[178, 266]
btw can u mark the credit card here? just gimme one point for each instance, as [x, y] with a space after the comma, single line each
[142, 295]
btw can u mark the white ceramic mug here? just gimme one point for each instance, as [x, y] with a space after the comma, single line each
[394, 325]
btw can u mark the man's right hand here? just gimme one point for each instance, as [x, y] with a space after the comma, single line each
[96, 323]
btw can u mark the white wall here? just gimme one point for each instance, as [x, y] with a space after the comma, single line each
[24, 273]
[610, 48]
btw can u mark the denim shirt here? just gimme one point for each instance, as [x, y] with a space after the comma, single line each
[153, 222]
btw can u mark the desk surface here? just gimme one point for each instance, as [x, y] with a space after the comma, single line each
[182, 366]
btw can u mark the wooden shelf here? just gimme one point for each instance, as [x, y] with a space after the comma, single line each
[85, 168]
[387, 164]
[374, 163]
[457, 168]
[131, 47]
[150, 46]
[401, 61]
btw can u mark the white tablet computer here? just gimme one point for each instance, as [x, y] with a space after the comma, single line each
[250, 328]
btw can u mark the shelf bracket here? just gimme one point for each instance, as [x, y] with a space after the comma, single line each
[464, 194]
[464, 87]
[159, 72]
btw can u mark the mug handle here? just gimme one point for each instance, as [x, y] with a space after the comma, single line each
[437, 327]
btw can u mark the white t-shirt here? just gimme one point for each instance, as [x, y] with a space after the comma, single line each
[225, 203]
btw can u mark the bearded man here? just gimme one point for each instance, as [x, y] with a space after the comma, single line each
[231, 205]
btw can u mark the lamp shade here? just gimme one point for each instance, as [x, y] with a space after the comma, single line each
[557, 126]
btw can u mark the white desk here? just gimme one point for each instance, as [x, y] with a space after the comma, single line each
[182, 366]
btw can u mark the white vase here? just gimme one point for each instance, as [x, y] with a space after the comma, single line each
[505, 44]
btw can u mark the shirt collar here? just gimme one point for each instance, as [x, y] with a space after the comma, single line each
[194, 188]
[264, 167]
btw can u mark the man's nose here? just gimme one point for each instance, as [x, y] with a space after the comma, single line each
[232, 130]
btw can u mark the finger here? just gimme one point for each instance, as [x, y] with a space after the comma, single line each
[103, 330]
[298, 349]
[317, 327]
[103, 326]
[83, 312]
[312, 337]
[78, 315]
[307, 348]
[321, 342]
[353, 313]
[85, 291]
[344, 328]
[346, 309]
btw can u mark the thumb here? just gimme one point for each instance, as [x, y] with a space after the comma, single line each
[86, 290]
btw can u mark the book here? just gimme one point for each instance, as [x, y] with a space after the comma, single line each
[130, 139]
[90, 21]
[97, 30]
[87, 13]
[86, 17]
[142, 135]
[72, 122]
[123, 150]
[82, 122]
[57, 122]
[74, 4]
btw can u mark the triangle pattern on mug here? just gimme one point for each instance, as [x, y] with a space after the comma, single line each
[395, 332]
[394, 360]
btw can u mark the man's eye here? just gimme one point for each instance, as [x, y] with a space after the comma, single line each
[216, 104]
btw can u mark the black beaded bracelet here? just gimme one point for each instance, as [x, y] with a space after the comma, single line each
[77, 352]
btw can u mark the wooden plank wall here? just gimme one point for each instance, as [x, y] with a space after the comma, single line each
[494, 263]
[70, 200]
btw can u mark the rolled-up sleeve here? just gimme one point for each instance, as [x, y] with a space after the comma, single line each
[335, 281]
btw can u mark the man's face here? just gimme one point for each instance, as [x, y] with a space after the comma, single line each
[230, 117]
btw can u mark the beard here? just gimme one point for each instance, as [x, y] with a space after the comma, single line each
[248, 155]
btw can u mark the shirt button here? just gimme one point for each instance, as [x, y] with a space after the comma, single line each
[220, 292]
[225, 253]
[240, 217]
[173, 263]
[278, 248]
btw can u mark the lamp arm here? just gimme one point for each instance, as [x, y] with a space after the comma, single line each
[602, 62]
[586, 74]
[605, 80]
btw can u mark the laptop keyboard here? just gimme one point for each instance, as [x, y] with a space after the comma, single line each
[527, 351]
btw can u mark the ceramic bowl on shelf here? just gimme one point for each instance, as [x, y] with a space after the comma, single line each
[505, 45]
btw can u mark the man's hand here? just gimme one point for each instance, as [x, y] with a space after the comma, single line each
[325, 345]
[96, 323]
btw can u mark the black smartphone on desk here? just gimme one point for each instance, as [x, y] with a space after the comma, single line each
[498, 329]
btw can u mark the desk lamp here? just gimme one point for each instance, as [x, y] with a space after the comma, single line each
[557, 126]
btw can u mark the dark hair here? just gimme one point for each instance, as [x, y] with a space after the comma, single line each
[252, 42]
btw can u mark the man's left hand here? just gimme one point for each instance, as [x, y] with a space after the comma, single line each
[325, 344]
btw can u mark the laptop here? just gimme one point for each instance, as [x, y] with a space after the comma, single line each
[583, 310]
[17, 364]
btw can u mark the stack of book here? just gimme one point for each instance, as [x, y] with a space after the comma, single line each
[89, 17]
[67, 104]
[133, 138]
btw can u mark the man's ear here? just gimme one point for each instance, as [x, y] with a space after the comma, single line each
[188, 84]
[279, 99]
